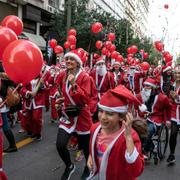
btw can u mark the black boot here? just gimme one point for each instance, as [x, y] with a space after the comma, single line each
[12, 145]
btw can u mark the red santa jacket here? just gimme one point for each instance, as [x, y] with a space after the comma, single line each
[175, 110]
[118, 78]
[135, 81]
[53, 91]
[38, 101]
[103, 83]
[114, 157]
[161, 109]
[81, 97]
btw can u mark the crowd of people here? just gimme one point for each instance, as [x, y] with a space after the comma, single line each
[98, 110]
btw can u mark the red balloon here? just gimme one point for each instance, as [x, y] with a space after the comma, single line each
[130, 60]
[71, 39]
[96, 27]
[22, 61]
[165, 53]
[99, 44]
[159, 46]
[112, 48]
[73, 46]
[168, 58]
[14, 23]
[107, 44]
[134, 49]
[114, 54]
[111, 37]
[120, 58]
[130, 55]
[66, 45]
[129, 51]
[145, 66]
[145, 55]
[6, 37]
[58, 49]
[72, 32]
[166, 6]
[52, 43]
[104, 51]
[95, 56]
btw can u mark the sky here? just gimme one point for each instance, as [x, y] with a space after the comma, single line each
[164, 24]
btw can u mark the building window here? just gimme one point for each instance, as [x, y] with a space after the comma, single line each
[54, 3]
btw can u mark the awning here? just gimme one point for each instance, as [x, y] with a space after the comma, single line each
[37, 39]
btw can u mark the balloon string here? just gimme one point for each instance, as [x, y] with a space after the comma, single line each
[19, 85]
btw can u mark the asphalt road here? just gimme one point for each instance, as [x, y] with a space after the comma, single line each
[40, 161]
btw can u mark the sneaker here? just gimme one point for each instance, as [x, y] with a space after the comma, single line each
[86, 173]
[29, 134]
[68, 172]
[171, 159]
[10, 149]
[33, 136]
[79, 156]
[38, 137]
[21, 131]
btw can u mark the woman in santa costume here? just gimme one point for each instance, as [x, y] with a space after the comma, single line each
[114, 143]
[75, 87]
[175, 115]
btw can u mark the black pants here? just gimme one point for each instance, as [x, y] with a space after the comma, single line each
[62, 142]
[173, 136]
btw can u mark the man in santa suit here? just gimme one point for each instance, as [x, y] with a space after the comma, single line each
[114, 143]
[102, 78]
[134, 78]
[34, 95]
[158, 109]
[175, 115]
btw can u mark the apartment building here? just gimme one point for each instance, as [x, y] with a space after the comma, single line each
[36, 15]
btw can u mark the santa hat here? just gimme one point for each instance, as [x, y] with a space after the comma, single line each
[100, 60]
[166, 68]
[116, 63]
[150, 82]
[76, 54]
[117, 100]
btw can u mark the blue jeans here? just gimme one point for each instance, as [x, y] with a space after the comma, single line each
[148, 144]
[5, 126]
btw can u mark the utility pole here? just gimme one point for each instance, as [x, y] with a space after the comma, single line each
[69, 3]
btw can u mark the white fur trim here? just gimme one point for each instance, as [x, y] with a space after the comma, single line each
[131, 158]
[75, 56]
[1, 169]
[100, 61]
[149, 84]
[142, 108]
[116, 63]
[121, 109]
[167, 68]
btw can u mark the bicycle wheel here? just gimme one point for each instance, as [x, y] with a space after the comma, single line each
[162, 141]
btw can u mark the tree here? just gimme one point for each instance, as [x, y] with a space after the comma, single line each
[83, 18]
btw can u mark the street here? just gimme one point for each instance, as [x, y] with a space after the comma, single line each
[39, 160]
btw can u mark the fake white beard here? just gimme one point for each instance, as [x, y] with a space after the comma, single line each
[145, 93]
[101, 70]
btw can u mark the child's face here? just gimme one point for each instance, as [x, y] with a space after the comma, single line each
[109, 120]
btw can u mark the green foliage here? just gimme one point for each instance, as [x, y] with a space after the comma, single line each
[83, 18]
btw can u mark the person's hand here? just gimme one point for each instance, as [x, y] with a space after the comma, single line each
[90, 163]
[71, 79]
[128, 124]
[31, 93]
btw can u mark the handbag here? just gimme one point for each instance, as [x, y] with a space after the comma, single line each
[72, 110]
[12, 98]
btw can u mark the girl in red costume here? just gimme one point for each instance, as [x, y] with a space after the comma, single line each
[115, 147]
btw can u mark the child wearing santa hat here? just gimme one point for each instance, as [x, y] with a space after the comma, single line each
[115, 147]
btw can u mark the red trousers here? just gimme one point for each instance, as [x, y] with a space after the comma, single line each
[34, 120]
[54, 114]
